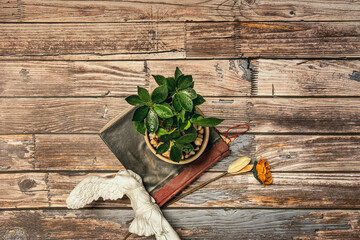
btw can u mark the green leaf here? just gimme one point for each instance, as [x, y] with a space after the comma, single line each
[165, 138]
[161, 132]
[164, 111]
[143, 94]
[199, 100]
[160, 80]
[178, 73]
[190, 92]
[152, 121]
[171, 84]
[207, 122]
[187, 138]
[176, 134]
[191, 130]
[140, 113]
[163, 147]
[176, 104]
[182, 124]
[167, 123]
[188, 125]
[135, 100]
[187, 147]
[140, 127]
[182, 115]
[175, 153]
[185, 102]
[159, 94]
[185, 82]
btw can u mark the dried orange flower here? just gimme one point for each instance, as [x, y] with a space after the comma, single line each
[262, 172]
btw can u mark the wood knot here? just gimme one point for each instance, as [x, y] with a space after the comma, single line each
[26, 184]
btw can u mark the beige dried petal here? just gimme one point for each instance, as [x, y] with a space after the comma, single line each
[238, 164]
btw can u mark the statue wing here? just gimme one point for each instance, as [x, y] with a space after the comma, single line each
[92, 188]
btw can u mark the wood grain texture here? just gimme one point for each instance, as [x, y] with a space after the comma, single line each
[296, 153]
[169, 10]
[306, 78]
[289, 40]
[155, 40]
[17, 152]
[211, 77]
[309, 153]
[289, 190]
[189, 223]
[304, 116]
[118, 78]
[89, 115]
[79, 115]
[92, 41]
[71, 78]
[74, 152]
[20, 190]
[275, 39]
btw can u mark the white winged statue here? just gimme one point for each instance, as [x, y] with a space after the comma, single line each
[149, 219]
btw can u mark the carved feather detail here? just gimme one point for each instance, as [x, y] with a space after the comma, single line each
[148, 216]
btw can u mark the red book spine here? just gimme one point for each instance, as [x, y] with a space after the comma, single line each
[175, 185]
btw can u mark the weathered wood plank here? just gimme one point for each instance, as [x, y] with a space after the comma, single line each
[71, 78]
[327, 39]
[306, 78]
[189, 223]
[275, 40]
[209, 40]
[304, 115]
[118, 78]
[17, 152]
[289, 190]
[85, 152]
[58, 114]
[215, 77]
[309, 153]
[88, 152]
[23, 190]
[169, 40]
[92, 41]
[169, 10]
[212, 77]
[89, 115]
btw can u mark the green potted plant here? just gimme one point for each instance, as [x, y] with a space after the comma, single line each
[173, 126]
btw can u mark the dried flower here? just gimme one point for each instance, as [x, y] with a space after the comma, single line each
[262, 172]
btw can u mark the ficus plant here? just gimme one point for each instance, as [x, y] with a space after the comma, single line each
[169, 112]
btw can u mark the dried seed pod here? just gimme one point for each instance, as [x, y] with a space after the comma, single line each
[201, 131]
[238, 165]
[153, 142]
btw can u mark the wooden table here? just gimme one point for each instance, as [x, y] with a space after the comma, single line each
[290, 69]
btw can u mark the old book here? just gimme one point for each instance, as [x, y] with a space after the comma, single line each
[162, 180]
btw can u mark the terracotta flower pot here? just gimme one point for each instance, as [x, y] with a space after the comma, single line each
[184, 161]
